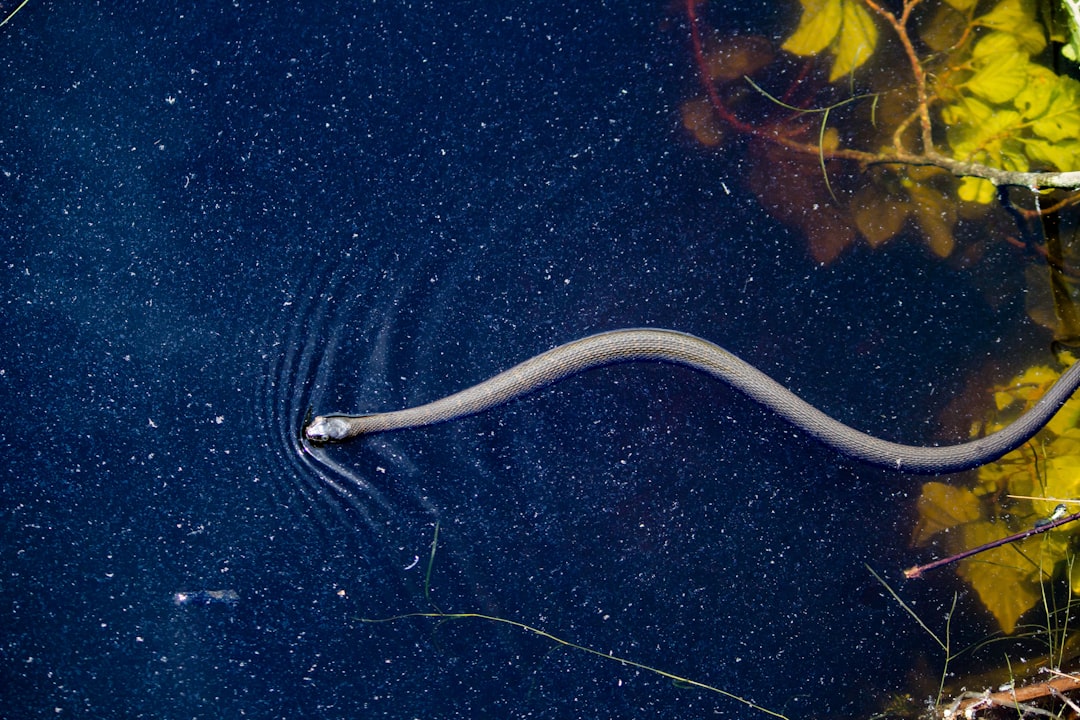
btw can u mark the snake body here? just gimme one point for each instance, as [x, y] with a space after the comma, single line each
[669, 346]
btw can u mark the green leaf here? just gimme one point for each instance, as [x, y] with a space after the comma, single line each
[980, 133]
[858, 38]
[818, 26]
[1072, 49]
[967, 111]
[1003, 578]
[943, 507]
[1062, 481]
[977, 137]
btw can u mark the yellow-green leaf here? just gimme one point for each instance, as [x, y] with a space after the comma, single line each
[1064, 155]
[1017, 18]
[977, 190]
[1034, 100]
[1068, 442]
[1062, 481]
[989, 141]
[818, 26]
[844, 27]
[857, 40]
[1062, 117]
[942, 507]
[967, 111]
[1066, 419]
[1001, 68]
[1004, 579]
[1072, 48]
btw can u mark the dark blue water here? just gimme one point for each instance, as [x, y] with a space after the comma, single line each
[216, 216]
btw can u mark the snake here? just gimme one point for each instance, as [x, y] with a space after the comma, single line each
[678, 348]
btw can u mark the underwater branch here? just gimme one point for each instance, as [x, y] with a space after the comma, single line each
[918, 570]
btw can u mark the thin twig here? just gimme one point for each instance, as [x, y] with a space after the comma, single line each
[899, 26]
[916, 571]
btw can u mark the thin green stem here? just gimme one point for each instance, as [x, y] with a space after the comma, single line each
[678, 679]
[11, 14]
[948, 649]
[943, 645]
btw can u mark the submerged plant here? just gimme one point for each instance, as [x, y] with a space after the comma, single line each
[1021, 489]
[865, 150]
[1022, 685]
[559, 642]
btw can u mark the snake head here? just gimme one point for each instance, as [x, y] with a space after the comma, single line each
[327, 428]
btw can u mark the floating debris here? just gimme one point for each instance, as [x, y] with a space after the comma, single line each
[201, 598]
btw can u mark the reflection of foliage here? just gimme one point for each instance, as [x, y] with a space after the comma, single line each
[920, 194]
[977, 107]
[1008, 579]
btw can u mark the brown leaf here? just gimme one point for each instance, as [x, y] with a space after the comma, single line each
[936, 216]
[699, 118]
[878, 218]
[734, 58]
[828, 234]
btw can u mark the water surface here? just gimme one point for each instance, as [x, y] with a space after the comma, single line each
[219, 216]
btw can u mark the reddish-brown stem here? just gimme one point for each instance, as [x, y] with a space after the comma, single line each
[1057, 207]
[899, 25]
[703, 73]
[804, 71]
